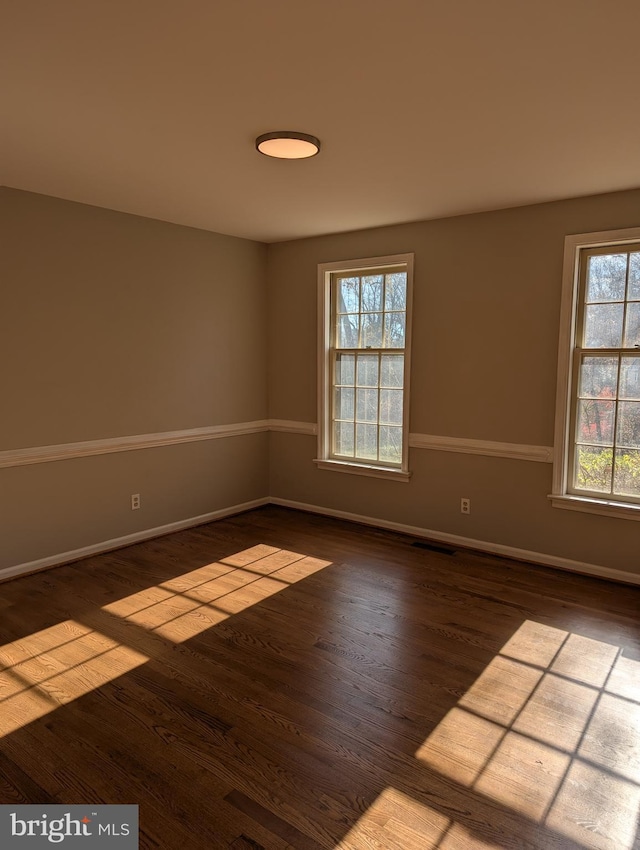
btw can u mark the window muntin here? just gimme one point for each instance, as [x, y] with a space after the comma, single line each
[364, 339]
[367, 353]
[604, 460]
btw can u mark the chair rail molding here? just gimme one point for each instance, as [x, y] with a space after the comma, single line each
[489, 448]
[87, 448]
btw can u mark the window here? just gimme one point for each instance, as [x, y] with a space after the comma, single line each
[598, 422]
[364, 336]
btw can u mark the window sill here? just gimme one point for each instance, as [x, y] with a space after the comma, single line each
[363, 469]
[605, 507]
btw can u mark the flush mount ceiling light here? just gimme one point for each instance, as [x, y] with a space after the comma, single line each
[284, 144]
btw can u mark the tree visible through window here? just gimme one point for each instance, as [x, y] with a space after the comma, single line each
[606, 411]
[365, 356]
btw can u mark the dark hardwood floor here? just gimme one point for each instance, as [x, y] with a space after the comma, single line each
[281, 680]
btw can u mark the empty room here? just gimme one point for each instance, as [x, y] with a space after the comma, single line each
[320, 425]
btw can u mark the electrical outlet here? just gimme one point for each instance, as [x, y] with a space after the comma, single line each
[135, 501]
[465, 506]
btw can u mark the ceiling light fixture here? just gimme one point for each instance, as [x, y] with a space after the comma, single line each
[283, 144]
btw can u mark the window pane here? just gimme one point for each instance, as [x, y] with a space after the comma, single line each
[344, 404]
[396, 291]
[593, 469]
[595, 422]
[345, 369]
[394, 330]
[632, 326]
[367, 370]
[390, 444]
[606, 277]
[343, 438]
[606, 444]
[598, 377]
[372, 330]
[603, 325]
[348, 327]
[368, 315]
[628, 432]
[348, 295]
[391, 407]
[367, 441]
[633, 292]
[367, 405]
[626, 481]
[372, 294]
[630, 377]
[392, 370]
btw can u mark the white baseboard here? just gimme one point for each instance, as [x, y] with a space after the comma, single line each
[127, 540]
[416, 531]
[469, 543]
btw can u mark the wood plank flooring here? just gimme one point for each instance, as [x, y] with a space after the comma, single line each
[283, 681]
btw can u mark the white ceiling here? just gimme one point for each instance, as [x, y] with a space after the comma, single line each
[425, 108]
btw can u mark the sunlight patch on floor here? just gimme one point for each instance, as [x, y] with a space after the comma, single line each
[550, 730]
[47, 669]
[184, 607]
[53, 667]
[395, 821]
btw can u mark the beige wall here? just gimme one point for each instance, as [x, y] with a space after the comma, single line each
[485, 335]
[114, 325]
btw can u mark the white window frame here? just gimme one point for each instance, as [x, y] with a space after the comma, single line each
[561, 495]
[325, 383]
